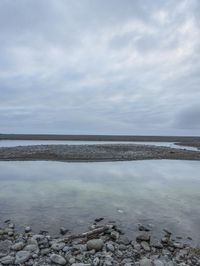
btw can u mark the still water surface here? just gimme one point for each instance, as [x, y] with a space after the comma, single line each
[47, 195]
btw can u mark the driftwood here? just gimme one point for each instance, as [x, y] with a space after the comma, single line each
[88, 234]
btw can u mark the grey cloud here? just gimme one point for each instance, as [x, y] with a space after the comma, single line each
[189, 117]
[122, 67]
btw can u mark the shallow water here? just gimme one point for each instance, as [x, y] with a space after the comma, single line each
[15, 143]
[47, 195]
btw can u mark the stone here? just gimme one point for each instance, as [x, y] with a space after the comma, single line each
[8, 260]
[38, 237]
[66, 248]
[142, 227]
[81, 264]
[96, 244]
[110, 247]
[136, 246]
[158, 263]
[143, 237]
[45, 251]
[22, 256]
[156, 244]
[145, 262]
[10, 233]
[63, 230]
[11, 225]
[57, 246]
[165, 240]
[5, 247]
[122, 247]
[72, 260]
[27, 229]
[114, 235]
[96, 261]
[178, 245]
[124, 240]
[58, 259]
[145, 246]
[18, 246]
[32, 241]
[31, 248]
[97, 220]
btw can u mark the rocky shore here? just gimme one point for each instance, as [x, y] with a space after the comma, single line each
[102, 245]
[101, 152]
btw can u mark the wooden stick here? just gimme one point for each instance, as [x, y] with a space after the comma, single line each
[96, 231]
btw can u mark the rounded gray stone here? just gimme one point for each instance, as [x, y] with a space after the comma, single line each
[158, 263]
[22, 256]
[8, 260]
[96, 244]
[18, 246]
[57, 246]
[146, 262]
[58, 259]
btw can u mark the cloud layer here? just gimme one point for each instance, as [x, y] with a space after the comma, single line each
[100, 67]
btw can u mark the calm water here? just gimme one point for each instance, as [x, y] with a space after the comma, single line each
[14, 143]
[48, 195]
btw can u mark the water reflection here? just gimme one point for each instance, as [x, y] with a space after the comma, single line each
[49, 195]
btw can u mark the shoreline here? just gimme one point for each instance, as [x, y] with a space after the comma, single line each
[104, 244]
[193, 141]
[94, 153]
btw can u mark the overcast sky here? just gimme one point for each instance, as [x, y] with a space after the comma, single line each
[100, 67]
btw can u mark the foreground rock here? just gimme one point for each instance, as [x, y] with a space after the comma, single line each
[102, 245]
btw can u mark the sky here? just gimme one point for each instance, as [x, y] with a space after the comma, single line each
[100, 67]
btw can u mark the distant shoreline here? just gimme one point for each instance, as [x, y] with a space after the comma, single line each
[99, 137]
[100, 152]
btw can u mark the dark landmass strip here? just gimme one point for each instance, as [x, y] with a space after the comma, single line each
[188, 139]
[105, 152]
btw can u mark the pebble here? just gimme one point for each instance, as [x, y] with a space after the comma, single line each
[96, 244]
[22, 256]
[63, 230]
[96, 261]
[31, 248]
[8, 260]
[146, 262]
[114, 235]
[110, 247]
[27, 229]
[145, 246]
[58, 259]
[158, 263]
[143, 237]
[18, 246]
[81, 264]
[5, 247]
[57, 246]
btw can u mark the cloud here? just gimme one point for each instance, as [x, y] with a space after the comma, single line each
[108, 67]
